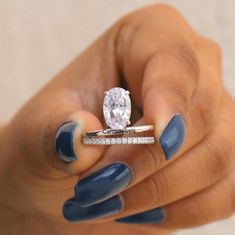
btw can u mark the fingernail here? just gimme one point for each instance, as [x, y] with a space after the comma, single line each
[74, 212]
[173, 136]
[103, 184]
[148, 217]
[64, 142]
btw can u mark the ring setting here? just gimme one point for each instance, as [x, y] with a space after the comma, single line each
[117, 113]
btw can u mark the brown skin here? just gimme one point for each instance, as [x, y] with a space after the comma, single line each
[168, 68]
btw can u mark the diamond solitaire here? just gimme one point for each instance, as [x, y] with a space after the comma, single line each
[117, 108]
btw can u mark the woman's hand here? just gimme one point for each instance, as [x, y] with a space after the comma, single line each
[174, 76]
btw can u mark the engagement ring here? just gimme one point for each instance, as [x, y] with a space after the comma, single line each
[117, 113]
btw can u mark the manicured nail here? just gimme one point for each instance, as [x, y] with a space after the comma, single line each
[103, 184]
[173, 136]
[74, 212]
[64, 142]
[148, 217]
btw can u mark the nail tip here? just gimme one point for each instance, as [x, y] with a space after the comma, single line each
[173, 136]
[73, 212]
[112, 179]
[64, 142]
[65, 210]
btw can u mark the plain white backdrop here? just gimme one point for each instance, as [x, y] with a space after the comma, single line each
[39, 38]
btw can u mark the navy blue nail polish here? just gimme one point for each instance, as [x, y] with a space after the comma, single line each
[103, 184]
[148, 217]
[173, 136]
[74, 212]
[64, 142]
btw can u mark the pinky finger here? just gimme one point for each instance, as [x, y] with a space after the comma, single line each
[211, 204]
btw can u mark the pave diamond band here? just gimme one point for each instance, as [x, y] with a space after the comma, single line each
[119, 140]
[127, 130]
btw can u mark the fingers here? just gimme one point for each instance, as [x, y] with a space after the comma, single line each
[214, 203]
[199, 168]
[202, 166]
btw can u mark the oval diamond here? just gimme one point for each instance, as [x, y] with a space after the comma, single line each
[117, 108]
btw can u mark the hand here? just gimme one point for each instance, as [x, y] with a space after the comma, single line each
[169, 69]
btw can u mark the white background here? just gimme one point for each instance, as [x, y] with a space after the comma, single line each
[38, 38]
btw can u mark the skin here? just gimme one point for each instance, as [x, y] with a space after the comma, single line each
[168, 68]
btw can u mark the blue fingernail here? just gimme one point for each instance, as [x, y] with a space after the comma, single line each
[74, 212]
[148, 217]
[103, 184]
[64, 142]
[173, 136]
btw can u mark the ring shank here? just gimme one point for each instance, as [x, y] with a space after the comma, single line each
[128, 130]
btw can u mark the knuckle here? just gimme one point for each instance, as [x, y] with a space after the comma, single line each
[173, 88]
[203, 111]
[158, 188]
[182, 55]
[153, 158]
[219, 161]
[184, 70]
[188, 60]
[179, 93]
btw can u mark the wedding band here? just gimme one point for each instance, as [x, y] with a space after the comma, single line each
[117, 112]
[127, 130]
[119, 140]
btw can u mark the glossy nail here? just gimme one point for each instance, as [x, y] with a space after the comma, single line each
[64, 142]
[74, 212]
[103, 184]
[173, 136]
[148, 217]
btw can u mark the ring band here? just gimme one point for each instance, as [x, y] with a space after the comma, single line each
[119, 140]
[127, 130]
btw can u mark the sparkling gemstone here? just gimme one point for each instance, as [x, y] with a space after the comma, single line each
[117, 108]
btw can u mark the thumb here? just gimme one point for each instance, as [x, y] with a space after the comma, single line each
[73, 155]
[44, 138]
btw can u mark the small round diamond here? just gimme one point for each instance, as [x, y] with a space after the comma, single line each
[129, 140]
